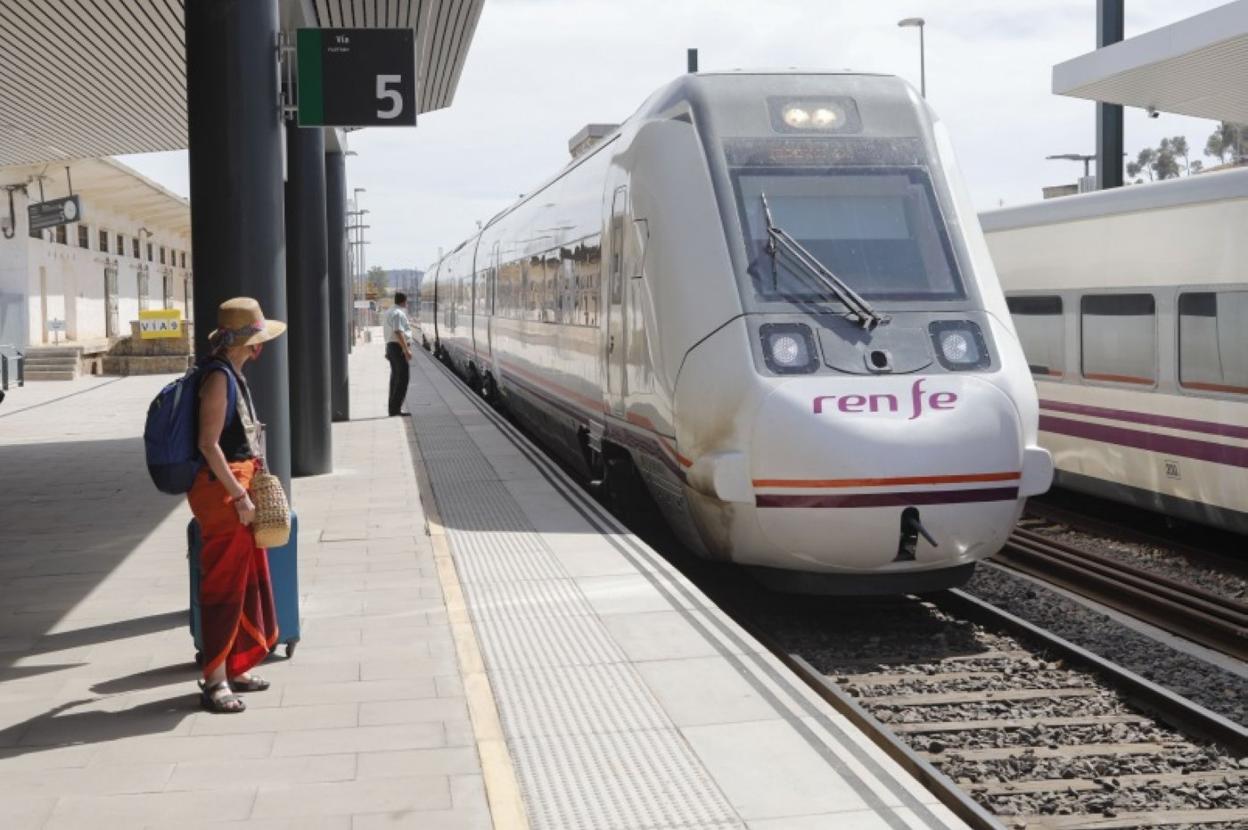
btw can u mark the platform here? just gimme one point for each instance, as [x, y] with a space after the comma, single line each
[513, 659]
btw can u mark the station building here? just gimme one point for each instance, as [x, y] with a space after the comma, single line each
[80, 285]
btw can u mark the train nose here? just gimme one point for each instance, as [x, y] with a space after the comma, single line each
[892, 473]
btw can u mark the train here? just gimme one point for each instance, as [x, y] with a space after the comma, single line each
[763, 307]
[1132, 306]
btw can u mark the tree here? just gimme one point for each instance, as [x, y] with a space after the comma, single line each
[1164, 164]
[1178, 145]
[378, 281]
[1143, 163]
[1197, 166]
[1228, 142]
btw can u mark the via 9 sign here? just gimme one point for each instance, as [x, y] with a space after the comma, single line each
[356, 77]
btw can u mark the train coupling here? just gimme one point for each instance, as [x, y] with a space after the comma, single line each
[911, 529]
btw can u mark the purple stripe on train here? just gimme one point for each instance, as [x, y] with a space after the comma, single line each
[1168, 444]
[902, 499]
[1148, 418]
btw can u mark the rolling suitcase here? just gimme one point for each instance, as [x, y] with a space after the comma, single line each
[284, 572]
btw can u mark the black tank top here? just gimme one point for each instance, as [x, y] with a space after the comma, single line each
[233, 440]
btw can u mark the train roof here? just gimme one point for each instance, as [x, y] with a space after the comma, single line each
[1191, 190]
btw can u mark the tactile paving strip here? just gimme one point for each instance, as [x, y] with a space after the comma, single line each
[592, 747]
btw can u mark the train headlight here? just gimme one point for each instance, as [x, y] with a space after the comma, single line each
[796, 117]
[959, 345]
[788, 348]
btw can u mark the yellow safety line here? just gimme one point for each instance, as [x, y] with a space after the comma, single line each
[502, 789]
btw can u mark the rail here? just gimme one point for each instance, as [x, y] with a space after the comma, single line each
[1218, 622]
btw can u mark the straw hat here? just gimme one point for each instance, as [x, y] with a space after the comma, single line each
[242, 318]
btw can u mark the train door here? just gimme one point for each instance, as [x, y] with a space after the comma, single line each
[616, 347]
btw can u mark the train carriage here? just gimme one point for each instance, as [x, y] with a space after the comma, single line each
[766, 298]
[1132, 307]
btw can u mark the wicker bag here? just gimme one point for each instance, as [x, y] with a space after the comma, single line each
[272, 523]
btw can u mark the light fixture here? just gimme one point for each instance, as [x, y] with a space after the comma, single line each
[788, 348]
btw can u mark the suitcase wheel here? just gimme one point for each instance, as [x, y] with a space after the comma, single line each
[290, 648]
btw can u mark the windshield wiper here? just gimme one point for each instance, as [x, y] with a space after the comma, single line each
[780, 241]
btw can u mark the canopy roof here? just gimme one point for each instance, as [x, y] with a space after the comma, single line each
[107, 182]
[1196, 67]
[91, 78]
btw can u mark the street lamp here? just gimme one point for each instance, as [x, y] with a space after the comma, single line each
[1086, 159]
[920, 23]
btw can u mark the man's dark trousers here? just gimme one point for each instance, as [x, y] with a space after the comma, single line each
[399, 375]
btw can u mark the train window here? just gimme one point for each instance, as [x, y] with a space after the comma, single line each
[1119, 335]
[880, 230]
[1040, 327]
[1211, 345]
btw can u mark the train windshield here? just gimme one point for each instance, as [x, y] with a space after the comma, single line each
[878, 229]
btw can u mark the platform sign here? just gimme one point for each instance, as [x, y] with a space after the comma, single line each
[157, 323]
[49, 214]
[357, 77]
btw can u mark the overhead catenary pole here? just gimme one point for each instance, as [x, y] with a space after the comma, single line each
[1110, 28]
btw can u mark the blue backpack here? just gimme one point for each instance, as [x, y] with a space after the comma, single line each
[171, 435]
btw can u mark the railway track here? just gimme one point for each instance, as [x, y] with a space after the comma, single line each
[1013, 727]
[1206, 546]
[1210, 619]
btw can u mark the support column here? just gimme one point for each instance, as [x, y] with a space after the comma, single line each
[237, 228]
[1110, 25]
[307, 289]
[339, 285]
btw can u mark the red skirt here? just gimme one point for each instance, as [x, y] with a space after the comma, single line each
[237, 615]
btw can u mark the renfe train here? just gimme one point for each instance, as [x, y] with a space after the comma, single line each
[766, 297]
[1132, 305]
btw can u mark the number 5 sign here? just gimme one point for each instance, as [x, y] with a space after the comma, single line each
[356, 77]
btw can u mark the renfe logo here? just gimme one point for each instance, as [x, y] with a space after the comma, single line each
[853, 404]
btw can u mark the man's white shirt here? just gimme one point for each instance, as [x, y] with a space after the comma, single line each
[394, 322]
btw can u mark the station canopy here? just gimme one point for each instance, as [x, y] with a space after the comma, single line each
[1196, 67]
[92, 78]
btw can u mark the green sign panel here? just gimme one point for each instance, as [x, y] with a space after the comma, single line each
[357, 77]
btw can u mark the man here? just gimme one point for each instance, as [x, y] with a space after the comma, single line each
[398, 335]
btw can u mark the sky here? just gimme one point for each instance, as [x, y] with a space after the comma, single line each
[539, 70]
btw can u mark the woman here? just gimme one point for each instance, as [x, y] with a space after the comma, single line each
[238, 620]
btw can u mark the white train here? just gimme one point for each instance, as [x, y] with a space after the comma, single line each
[1132, 305]
[766, 296]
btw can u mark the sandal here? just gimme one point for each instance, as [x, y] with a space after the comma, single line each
[250, 684]
[222, 704]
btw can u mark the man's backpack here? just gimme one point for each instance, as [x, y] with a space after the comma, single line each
[171, 435]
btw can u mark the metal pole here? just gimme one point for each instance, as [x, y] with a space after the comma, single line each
[339, 285]
[691, 60]
[307, 285]
[237, 224]
[922, 62]
[1110, 22]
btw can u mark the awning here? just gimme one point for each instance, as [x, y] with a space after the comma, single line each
[107, 182]
[1196, 67]
[92, 78]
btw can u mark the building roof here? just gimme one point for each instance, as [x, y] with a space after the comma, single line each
[111, 184]
[1193, 67]
[93, 78]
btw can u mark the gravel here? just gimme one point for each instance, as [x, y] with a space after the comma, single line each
[924, 651]
[1204, 683]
